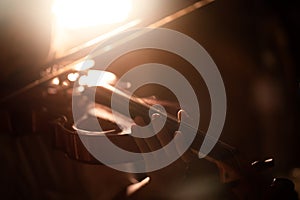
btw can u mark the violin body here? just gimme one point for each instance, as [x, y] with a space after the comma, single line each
[243, 179]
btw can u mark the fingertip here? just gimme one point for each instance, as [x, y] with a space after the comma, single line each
[182, 114]
[155, 116]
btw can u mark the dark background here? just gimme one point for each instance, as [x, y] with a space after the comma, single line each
[255, 45]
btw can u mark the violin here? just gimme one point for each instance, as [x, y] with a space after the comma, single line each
[245, 180]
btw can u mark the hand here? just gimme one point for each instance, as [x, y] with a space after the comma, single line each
[172, 175]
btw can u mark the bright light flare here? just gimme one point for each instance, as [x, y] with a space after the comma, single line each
[73, 77]
[84, 65]
[97, 78]
[75, 14]
[55, 81]
[65, 84]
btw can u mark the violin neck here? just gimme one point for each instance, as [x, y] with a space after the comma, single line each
[138, 107]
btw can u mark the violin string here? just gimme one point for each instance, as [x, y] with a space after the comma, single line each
[172, 118]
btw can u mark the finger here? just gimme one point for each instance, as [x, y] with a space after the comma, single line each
[146, 151]
[183, 114]
[131, 189]
[152, 142]
[164, 136]
[187, 154]
[181, 144]
[140, 141]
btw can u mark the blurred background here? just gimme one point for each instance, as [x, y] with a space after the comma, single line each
[255, 45]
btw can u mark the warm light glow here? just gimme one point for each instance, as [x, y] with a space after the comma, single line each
[55, 81]
[80, 89]
[136, 186]
[73, 77]
[65, 83]
[84, 65]
[85, 13]
[97, 78]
